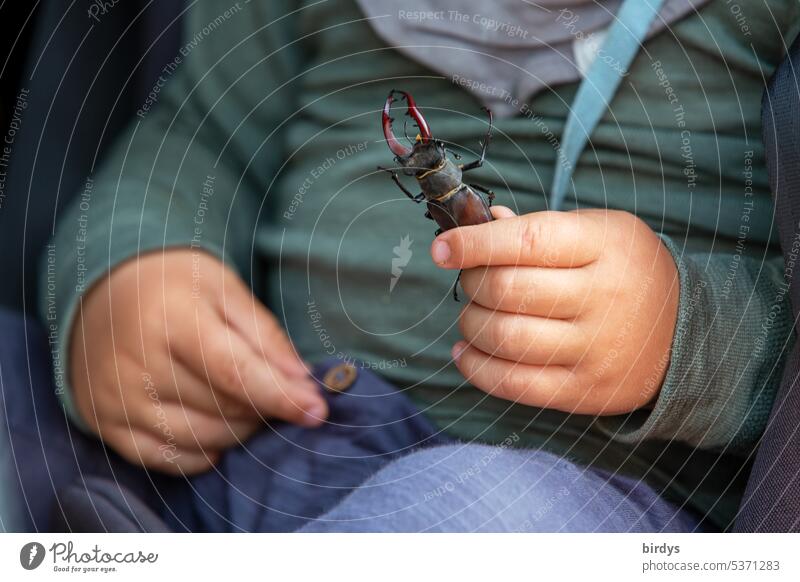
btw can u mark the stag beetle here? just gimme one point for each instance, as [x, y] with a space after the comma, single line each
[451, 203]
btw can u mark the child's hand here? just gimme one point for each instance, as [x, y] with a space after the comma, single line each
[573, 311]
[174, 360]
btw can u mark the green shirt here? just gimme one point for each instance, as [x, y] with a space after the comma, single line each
[262, 148]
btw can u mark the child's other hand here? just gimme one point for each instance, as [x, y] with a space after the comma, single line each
[569, 310]
[174, 360]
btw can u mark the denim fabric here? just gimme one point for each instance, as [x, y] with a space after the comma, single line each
[277, 481]
[287, 475]
[480, 488]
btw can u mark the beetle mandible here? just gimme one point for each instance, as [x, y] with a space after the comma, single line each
[451, 202]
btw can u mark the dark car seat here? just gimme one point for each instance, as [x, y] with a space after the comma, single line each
[85, 75]
[772, 499]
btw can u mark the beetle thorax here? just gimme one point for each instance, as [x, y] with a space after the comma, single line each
[435, 172]
[440, 180]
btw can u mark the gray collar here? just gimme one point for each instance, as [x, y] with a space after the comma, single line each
[503, 50]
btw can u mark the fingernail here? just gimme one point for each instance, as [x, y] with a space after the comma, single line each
[440, 251]
[314, 415]
[458, 349]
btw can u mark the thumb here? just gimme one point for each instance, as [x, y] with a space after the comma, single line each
[538, 239]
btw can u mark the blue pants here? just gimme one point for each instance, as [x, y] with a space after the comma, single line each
[479, 488]
[378, 466]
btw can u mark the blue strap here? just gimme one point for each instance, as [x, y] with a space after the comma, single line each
[622, 43]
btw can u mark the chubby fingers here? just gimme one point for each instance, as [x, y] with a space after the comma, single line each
[532, 385]
[220, 355]
[244, 312]
[541, 291]
[194, 430]
[539, 239]
[522, 338]
[141, 447]
[171, 381]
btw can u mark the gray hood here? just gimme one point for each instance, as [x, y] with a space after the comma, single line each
[502, 50]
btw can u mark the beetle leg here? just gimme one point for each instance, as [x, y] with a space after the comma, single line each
[428, 215]
[455, 287]
[489, 194]
[484, 146]
[418, 198]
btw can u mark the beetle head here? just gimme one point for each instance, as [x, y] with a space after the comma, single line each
[423, 156]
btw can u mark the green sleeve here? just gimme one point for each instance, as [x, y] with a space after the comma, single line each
[733, 333]
[735, 329]
[193, 167]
